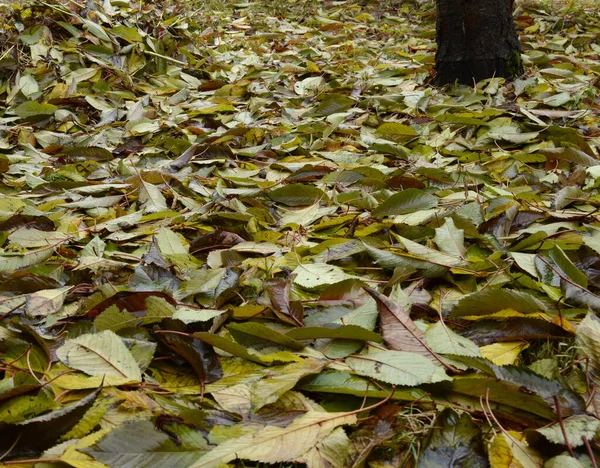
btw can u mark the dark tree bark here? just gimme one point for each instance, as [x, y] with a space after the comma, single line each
[476, 39]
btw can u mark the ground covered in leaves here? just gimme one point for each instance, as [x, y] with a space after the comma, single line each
[259, 234]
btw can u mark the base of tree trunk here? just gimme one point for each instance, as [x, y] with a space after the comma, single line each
[471, 71]
[476, 40]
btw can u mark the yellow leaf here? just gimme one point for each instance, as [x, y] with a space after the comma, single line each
[503, 353]
[510, 450]
[312, 67]
[564, 324]
[509, 313]
[501, 455]
[273, 444]
[365, 18]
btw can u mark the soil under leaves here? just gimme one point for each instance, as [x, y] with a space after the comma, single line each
[259, 234]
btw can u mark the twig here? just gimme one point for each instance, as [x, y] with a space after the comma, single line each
[10, 449]
[35, 460]
[590, 452]
[6, 53]
[168, 59]
[562, 426]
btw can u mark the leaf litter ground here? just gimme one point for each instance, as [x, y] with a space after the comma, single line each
[260, 234]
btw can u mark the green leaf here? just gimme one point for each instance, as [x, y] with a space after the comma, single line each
[346, 332]
[511, 396]
[564, 461]
[297, 195]
[332, 104]
[588, 341]
[46, 301]
[101, 354]
[489, 301]
[90, 152]
[310, 86]
[170, 243]
[565, 265]
[396, 131]
[37, 434]
[129, 34]
[344, 383]
[406, 201]
[314, 275]
[443, 340]
[138, 444]
[32, 238]
[430, 255]
[10, 262]
[269, 389]
[569, 154]
[34, 109]
[391, 260]
[240, 351]
[22, 407]
[262, 333]
[96, 30]
[151, 198]
[576, 428]
[570, 402]
[397, 367]
[450, 239]
[332, 451]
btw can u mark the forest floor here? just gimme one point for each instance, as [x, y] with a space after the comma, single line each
[256, 234]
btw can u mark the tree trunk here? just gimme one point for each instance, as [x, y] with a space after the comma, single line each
[476, 39]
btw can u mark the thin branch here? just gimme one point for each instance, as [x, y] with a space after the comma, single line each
[562, 426]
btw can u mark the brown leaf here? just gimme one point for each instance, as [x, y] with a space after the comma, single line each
[398, 330]
[486, 332]
[278, 290]
[214, 240]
